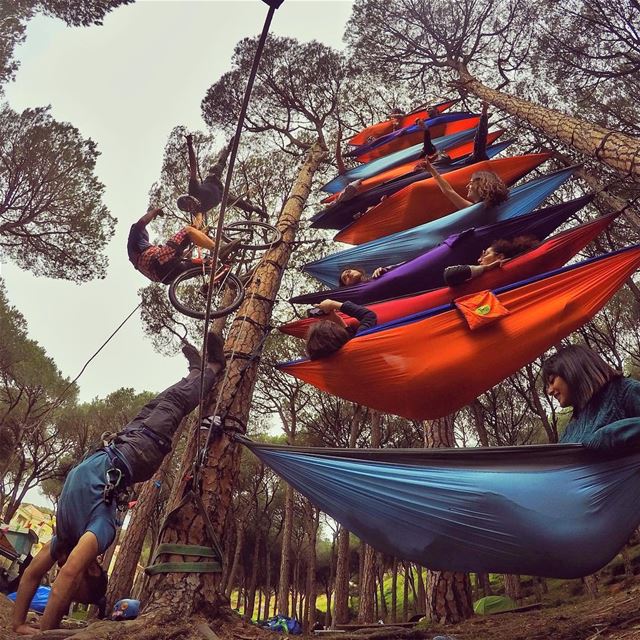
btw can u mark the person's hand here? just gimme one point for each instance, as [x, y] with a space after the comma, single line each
[420, 123]
[380, 271]
[496, 264]
[485, 107]
[26, 630]
[158, 212]
[327, 306]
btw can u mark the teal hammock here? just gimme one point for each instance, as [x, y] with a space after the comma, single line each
[560, 511]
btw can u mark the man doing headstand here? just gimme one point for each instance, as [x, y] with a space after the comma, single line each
[86, 516]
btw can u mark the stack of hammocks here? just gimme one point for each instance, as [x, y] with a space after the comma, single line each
[436, 348]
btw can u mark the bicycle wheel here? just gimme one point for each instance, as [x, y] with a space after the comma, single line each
[252, 234]
[188, 293]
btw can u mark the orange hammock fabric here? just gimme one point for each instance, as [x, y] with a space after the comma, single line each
[387, 126]
[549, 255]
[431, 367]
[455, 153]
[423, 201]
[403, 142]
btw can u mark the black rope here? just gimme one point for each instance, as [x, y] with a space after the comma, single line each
[223, 207]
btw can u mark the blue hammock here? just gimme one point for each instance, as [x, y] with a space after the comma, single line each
[409, 244]
[560, 511]
[341, 214]
[395, 159]
[425, 271]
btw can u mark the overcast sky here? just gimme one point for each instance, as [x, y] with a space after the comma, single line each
[126, 84]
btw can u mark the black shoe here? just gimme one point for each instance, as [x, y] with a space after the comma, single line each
[215, 349]
[192, 355]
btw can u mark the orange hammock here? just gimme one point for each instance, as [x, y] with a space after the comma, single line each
[408, 140]
[387, 126]
[432, 366]
[455, 153]
[550, 255]
[423, 201]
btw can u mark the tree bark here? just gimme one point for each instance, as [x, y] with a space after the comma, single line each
[405, 592]
[194, 592]
[616, 150]
[231, 578]
[394, 590]
[512, 587]
[341, 594]
[312, 592]
[367, 586]
[284, 580]
[382, 607]
[253, 578]
[448, 593]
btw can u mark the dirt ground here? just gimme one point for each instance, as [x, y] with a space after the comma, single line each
[612, 616]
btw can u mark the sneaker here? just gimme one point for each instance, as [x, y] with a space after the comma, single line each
[192, 355]
[215, 349]
[228, 249]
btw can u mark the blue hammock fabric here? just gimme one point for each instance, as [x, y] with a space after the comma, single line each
[559, 511]
[425, 271]
[443, 118]
[341, 214]
[395, 159]
[411, 243]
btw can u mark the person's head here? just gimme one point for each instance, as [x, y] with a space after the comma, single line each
[487, 187]
[351, 276]
[395, 115]
[505, 249]
[189, 204]
[324, 338]
[574, 374]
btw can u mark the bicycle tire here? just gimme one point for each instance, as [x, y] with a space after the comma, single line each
[184, 300]
[252, 234]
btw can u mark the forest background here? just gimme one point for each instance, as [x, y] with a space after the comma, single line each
[309, 96]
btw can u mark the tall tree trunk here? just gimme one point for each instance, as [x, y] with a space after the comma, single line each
[394, 590]
[367, 574]
[231, 578]
[405, 591]
[267, 585]
[124, 569]
[421, 605]
[253, 578]
[512, 587]
[341, 593]
[328, 618]
[616, 150]
[312, 591]
[483, 580]
[189, 592]
[284, 581]
[478, 420]
[383, 613]
[448, 593]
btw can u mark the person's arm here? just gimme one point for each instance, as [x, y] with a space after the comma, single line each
[446, 188]
[631, 399]
[64, 586]
[363, 315]
[245, 205]
[28, 586]
[380, 271]
[193, 165]
[153, 213]
[460, 273]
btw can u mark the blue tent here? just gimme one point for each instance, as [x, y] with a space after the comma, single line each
[409, 244]
[560, 511]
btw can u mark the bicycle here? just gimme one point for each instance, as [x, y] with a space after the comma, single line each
[188, 290]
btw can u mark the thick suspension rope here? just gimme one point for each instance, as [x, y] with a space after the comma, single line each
[223, 206]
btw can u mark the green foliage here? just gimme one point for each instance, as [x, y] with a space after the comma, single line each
[52, 219]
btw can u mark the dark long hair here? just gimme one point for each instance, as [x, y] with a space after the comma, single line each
[325, 338]
[584, 371]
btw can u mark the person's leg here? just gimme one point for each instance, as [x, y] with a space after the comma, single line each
[480, 140]
[200, 239]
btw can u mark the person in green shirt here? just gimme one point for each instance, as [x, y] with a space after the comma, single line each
[578, 377]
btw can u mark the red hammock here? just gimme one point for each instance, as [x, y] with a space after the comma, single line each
[423, 201]
[382, 128]
[431, 367]
[549, 255]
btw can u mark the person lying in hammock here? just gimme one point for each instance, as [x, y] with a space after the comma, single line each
[578, 377]
[86, 514]
[329, 335]
[161, 262]
[355, 275]
[491, 258]
[479, 143]
[204, 196]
